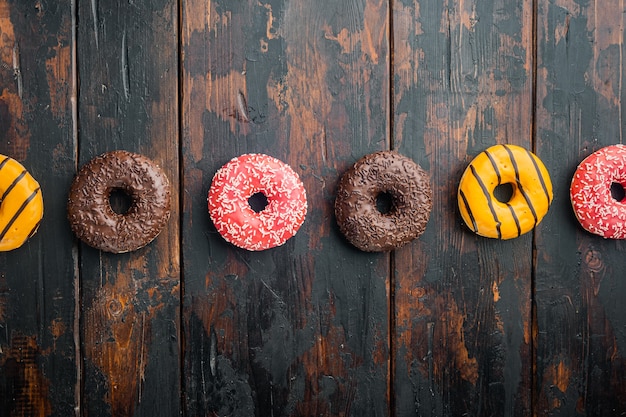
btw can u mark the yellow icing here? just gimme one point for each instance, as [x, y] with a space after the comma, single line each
[21, 207]
[532, 192]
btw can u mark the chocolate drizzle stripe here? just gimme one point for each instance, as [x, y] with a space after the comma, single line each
[519, 184]
[540, 175]
[495, 166]
[18, 212]
[488, 197]
[13, 184]
[511, 209]
[519, 228]
[4, 162]
[469, 210]
[34, 229]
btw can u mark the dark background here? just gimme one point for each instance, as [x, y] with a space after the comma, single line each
[450, 325]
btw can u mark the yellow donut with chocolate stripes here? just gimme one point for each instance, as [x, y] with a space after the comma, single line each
[21, 204]
[529, 203]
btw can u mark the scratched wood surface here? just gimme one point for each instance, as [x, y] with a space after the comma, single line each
[38, 329]
[581, 322]
[452, 324]
[462, 313]
[130, 322]
[301, 329]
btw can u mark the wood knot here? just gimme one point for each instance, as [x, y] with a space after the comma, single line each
[593, 261]
[419, 292]
[115, 307]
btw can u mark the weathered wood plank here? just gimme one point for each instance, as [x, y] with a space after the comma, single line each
[38, 365]
[128, 66]
[300, 329]
[441, 327]
[462, 82]
[581, 365]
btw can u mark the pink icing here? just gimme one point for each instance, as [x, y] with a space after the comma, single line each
[232, 215]
[597, 211]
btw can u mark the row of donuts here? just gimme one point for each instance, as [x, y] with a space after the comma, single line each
[258, 202]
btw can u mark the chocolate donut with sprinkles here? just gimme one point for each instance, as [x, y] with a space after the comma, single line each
[257, 202]
[595, 207]
[407, 188]
[89, 209]
[21, 204]
[530, 199]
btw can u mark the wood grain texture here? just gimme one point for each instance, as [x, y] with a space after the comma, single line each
[452, 324]
[37, 303]
[462, 82]
[128, 66]
[579, 280]
[301, 329]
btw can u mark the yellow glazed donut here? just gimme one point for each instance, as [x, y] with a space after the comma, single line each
[531, 198]
[21, 204]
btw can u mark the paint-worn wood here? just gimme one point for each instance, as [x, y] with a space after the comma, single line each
[462, 82]
[301, 329]
[581, 321]
[38, 361]
[130, 324]
[453, 324]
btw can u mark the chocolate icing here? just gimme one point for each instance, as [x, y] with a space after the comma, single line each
[89, 211]
[411, 202]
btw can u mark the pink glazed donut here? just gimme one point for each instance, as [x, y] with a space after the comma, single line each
[230, 209]
[590, 192]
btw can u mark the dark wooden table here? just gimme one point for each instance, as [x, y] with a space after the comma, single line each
[451, 325]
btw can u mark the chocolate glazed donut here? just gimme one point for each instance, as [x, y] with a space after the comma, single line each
[89, 210]
[408, 188]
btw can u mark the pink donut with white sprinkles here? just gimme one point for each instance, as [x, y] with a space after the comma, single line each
[259, 228]
[590, 192]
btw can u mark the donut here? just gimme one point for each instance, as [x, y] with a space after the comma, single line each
[245, 177]
[528, 204]
[590, 192]
[21, 204]
[405, 184]
[89, 210]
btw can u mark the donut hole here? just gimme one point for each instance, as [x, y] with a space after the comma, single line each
[384, 202]
[617, 191]
[120, 201]
[504, 192]
[258, 202]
